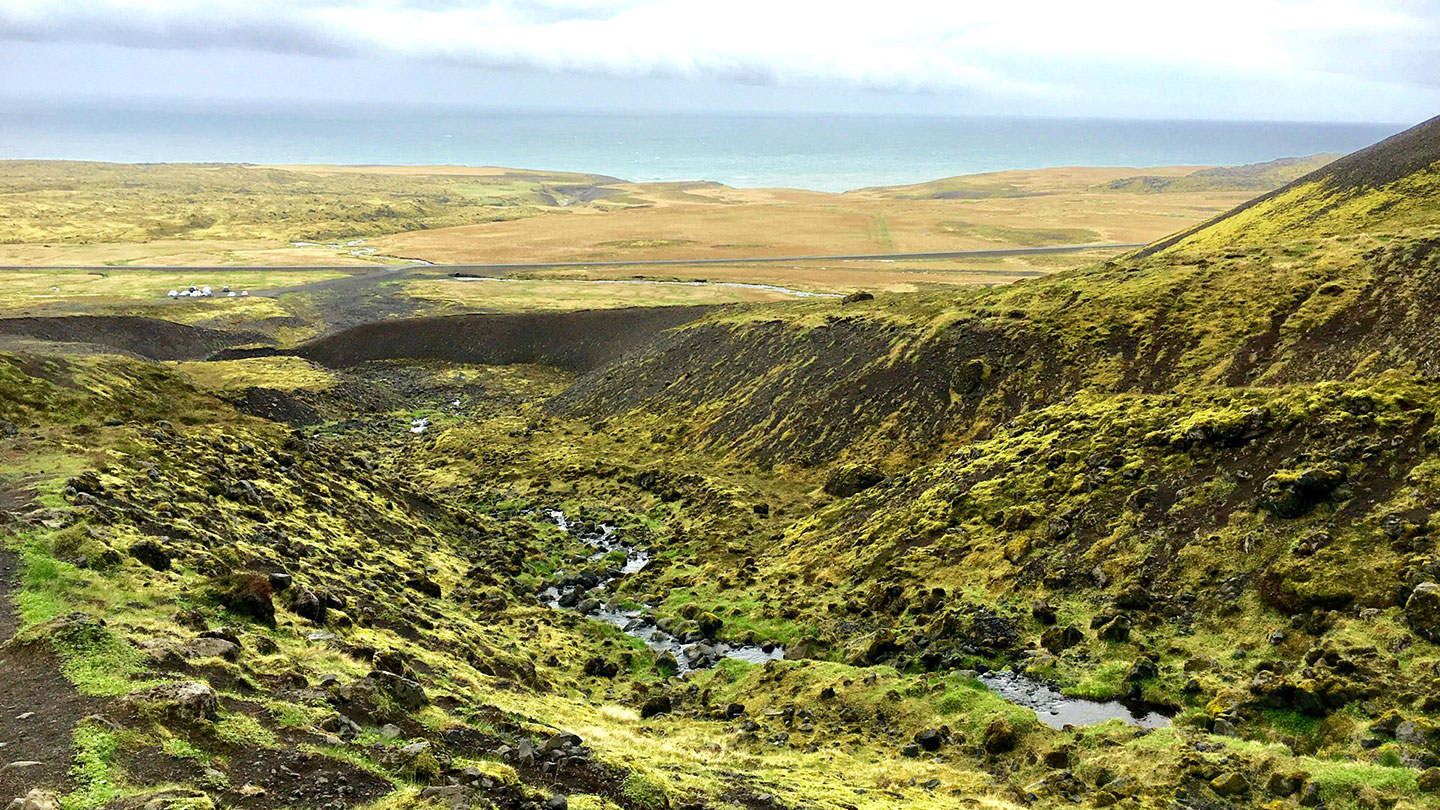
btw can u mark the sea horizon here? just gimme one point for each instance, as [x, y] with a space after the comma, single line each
[814, 151]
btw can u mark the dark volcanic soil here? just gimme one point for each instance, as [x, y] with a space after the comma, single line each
[38, 707]
[147, 337]
[575, 341]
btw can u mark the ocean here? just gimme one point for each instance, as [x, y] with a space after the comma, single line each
[820, 152]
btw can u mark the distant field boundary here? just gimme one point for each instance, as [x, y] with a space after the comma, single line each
[951, 254]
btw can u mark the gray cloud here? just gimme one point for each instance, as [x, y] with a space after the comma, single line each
[1043, 55]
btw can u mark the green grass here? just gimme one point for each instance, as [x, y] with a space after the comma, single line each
[96, 783]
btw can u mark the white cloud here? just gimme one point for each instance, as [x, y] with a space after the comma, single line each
[1024, 50]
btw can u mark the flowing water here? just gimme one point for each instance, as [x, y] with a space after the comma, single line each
[589, 598]
[1057, 711]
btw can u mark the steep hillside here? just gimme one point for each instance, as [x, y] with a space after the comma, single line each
[903, 377]
[1385, 188]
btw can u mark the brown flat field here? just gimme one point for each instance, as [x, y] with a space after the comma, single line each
[679, 221]
[187, 214]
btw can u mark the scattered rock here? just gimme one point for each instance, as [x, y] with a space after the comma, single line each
[1429, 780]
[182, 702]
[660, 704]
[210, 648]
[1422, 611]
[37, 799]
[307, 605]
[151, 553]
[857, 297]
[848, 479]
[930, 739]
[1292, 494]
[999, 737]
[1229, 784]
[279, 580]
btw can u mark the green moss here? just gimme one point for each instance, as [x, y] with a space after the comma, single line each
[643, 792]
[95, 780]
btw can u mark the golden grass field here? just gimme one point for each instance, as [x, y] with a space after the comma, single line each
[1051, 207]
[359, 218]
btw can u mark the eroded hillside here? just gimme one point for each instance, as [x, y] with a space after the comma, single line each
[827, 554]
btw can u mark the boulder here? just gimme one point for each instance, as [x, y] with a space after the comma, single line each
[857, 297]
[1292, 494]
[999, 737]
[37, 799]
[848, 479]
[1229, 783]
[1422, 611]
[1429, 780]
[929, 739]
[210, 648]
[1060, 639]
[599, 667]
[152, 554]
[307, 605]
[660, 704]
[182, 702]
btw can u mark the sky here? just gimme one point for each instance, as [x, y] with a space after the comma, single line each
[1307, 60]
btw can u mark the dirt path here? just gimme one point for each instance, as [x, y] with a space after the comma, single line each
[38, 707]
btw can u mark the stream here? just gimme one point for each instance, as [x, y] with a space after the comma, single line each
[1056, 710]
[587, 595]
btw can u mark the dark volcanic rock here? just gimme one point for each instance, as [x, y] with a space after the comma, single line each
[1293, 495]
[152, 554]
[848, 479]
[1422, 611]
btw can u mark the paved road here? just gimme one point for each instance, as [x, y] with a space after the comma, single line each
[953, 254]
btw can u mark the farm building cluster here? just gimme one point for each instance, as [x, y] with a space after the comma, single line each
[206, 292]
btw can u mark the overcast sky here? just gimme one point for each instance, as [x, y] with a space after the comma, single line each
[1334, 60]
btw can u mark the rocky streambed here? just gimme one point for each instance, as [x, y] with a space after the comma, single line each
[587, 592]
